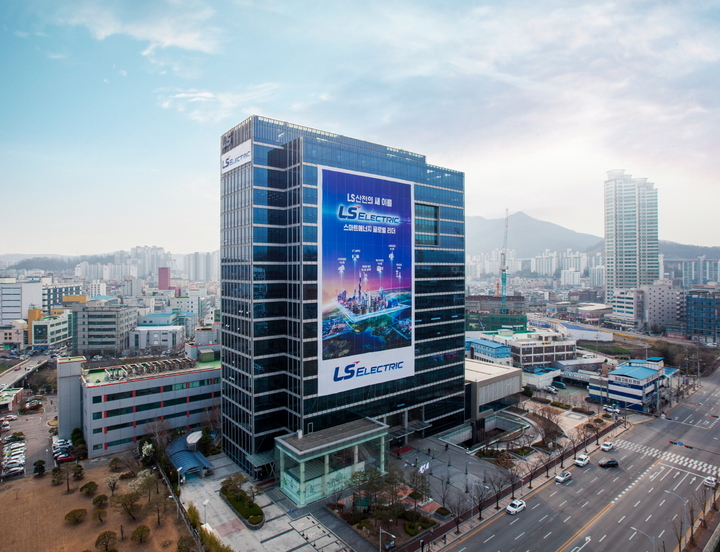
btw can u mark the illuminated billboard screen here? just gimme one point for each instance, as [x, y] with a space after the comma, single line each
[366, 280]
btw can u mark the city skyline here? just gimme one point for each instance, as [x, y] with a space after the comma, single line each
[112, 111]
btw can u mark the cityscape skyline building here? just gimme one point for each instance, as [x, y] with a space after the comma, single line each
[342, 270]
[631, 233]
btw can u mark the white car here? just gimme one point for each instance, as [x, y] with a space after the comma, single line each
[563, 477]
[515, 506]
[13, 471]
[710, 482]
[611, 409]
[582, 460]
[606, 446]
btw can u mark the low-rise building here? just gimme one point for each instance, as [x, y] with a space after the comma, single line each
[488, 351]
[488, 383]
[641, 385]
[534, 347]
[114, 405]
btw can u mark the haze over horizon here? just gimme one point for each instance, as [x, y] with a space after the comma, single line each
[112, 113]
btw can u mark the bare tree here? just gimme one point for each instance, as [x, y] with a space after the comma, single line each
[678, 527]
[159, 431]
[576, 437]
[497, 482]
[455, 505]
[513, 476]
[530, 466]
[692, 511]
[445, 488]
[212, 418]
[479, 493]
[700, 499]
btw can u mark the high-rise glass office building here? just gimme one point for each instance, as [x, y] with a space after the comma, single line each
[631, 233]
[342, 288]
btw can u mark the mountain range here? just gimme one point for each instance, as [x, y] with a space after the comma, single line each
[529, 237]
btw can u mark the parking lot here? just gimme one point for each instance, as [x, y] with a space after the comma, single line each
[37, 436]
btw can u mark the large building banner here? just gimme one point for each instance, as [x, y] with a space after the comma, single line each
[366, 280]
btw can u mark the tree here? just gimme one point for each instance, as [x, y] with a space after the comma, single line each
[445, 488]
[106, 540]
[39, 467]
[143, 483]
[394, 484]
[497, 483]
[77, 471]
[100, 500]
[186, 544]
[479, 493]
[420, 486]
[513, 476]
[253, 492]
[76, 516]
[112, 482]
[233, 485]
[193, 515]
[157, 504]
[126, 502]
[140, 533]
[455, 505]
[89, 488]
[529, 468]
[115, 464]
[98, 515]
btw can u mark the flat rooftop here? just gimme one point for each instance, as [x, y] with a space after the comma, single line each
[333, 436]
[144, 369]
[479, 371]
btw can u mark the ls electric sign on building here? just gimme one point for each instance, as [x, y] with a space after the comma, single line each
[237, 156]
[366, 280]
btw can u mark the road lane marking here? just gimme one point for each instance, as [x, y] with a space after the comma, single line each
[638, 502]
[542, 518]
[487, 539]
[553, 494]
[593, 481]
[631, 536]
[622, 518]
[513, 521]
[546, 536]
[602, 538]
[618, 477]
[583, 506]
[536, 505]
[600, 491]
[583, 528]
[520, 535]
[663, 502]
[651, 490]
[563, 502]
[567, 518]
[648, 517]
[661, 533]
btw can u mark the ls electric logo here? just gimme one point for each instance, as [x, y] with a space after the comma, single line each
[355, 213]
[237, 156]
[355, 371]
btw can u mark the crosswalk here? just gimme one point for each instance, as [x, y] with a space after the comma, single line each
[672, 457]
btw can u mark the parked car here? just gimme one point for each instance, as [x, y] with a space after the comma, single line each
[65, 458]
[515, 506]
[610, 409]
[608, 463]
[710, 482]
[559, 384]
[13, 464]
[582, 460]
[606, 446]
[563, 477]
[550, 389]
[10, 417]
[13, 472]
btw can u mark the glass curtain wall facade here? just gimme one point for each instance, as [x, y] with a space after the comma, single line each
[270, 222]
[631, 233]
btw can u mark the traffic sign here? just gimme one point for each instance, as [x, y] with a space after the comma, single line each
[680, 443]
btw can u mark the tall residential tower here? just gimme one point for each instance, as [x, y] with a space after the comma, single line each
[631, 233]
[342, 268]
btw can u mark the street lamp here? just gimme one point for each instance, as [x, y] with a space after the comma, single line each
[652, 539]
[380, 537]
[205, 503]
[684, 503]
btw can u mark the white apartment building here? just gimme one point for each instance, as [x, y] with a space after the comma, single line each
[631, 233]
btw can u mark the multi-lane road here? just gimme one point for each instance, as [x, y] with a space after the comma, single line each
[651, 496]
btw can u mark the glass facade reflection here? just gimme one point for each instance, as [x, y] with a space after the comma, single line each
[269, 258]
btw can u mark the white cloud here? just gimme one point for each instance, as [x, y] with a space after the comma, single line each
[204, 106]
[184, 26]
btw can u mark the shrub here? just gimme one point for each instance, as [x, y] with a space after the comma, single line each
[115, 464]
[100, 500]
[127, 475]
[89, 488]
[411, 528]
[76, 516]
[193, 515]
[442, 511]
[353, 518]
[412, 516]
[254, 520]
[106, 540]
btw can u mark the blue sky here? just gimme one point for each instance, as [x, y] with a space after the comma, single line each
[111, 112]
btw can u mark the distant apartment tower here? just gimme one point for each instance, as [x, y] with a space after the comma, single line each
[164, 277]
[631, 233]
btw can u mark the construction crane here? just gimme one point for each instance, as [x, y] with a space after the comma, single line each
[503, 270]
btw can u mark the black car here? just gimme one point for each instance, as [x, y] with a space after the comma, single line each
[608, 463]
